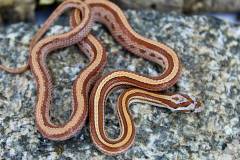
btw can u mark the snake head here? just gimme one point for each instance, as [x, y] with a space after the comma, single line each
[187, 103]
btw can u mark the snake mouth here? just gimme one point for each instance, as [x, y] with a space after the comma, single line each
[198, 106]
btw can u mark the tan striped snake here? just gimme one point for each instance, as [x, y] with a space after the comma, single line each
[139, 88]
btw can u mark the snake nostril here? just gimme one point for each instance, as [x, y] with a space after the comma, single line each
[199, 104]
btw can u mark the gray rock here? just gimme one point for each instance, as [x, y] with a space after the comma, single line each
[209, 50]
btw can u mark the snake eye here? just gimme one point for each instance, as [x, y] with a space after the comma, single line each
[180, 98]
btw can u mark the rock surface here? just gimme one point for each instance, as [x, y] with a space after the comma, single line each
[209, 50]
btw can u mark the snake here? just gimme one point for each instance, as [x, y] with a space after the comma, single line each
[90, 89]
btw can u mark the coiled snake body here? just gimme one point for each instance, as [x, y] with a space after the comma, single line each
[139, 88]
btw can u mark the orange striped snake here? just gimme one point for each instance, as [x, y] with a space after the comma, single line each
[140, 88]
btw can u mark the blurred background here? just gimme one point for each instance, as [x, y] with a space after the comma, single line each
[12, 11]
